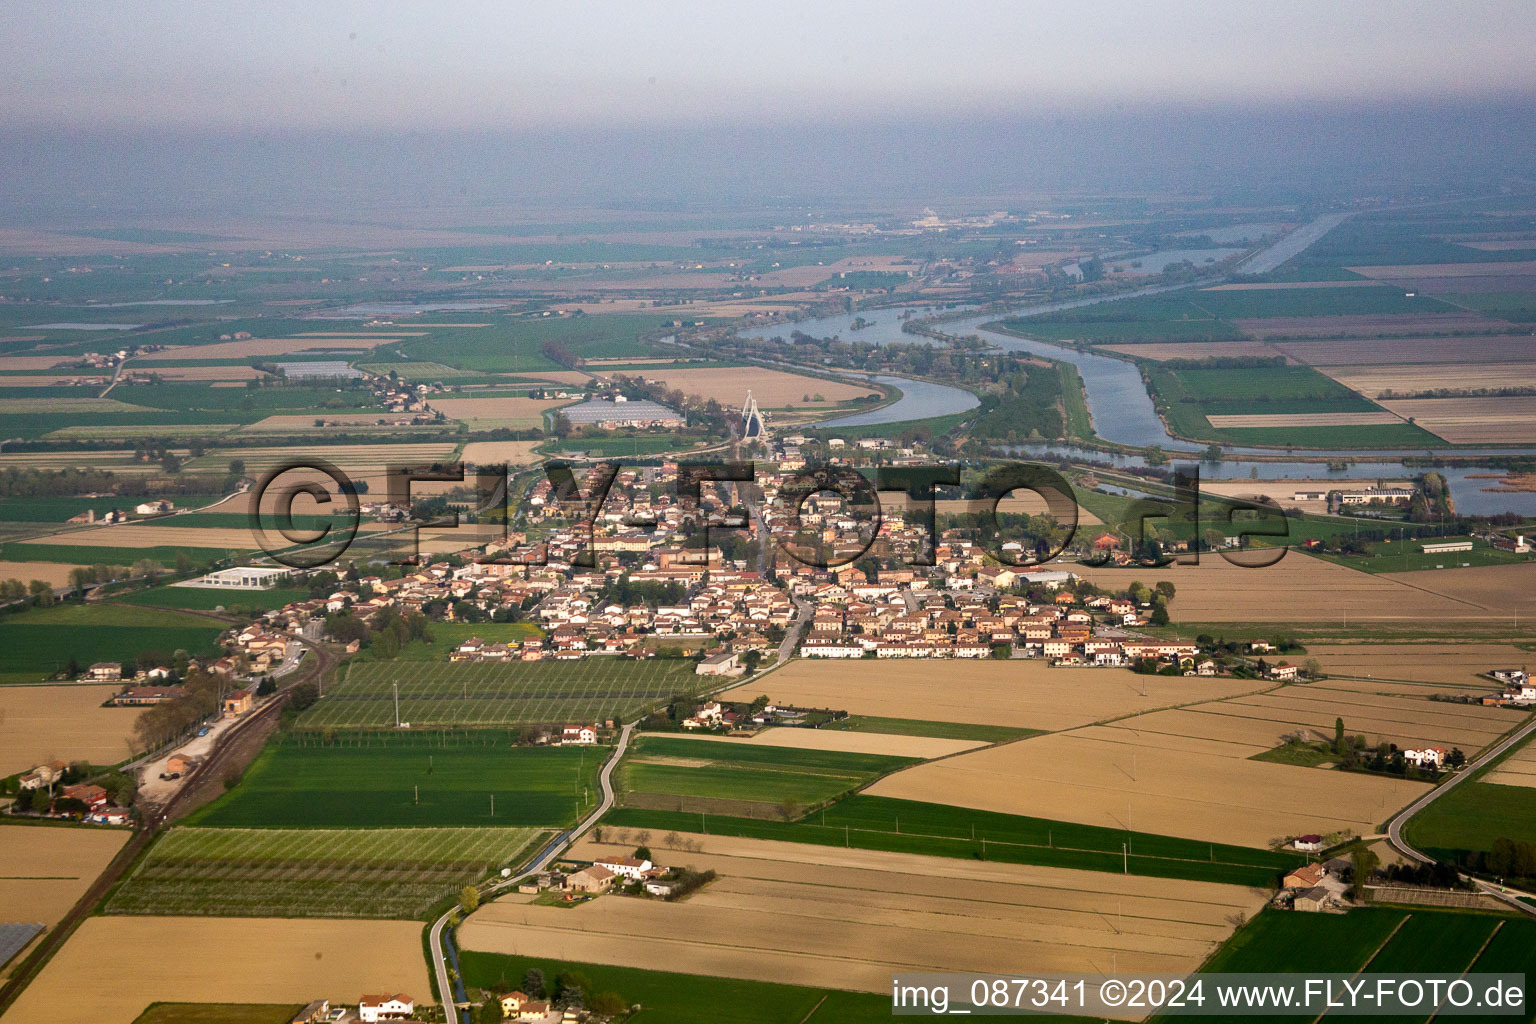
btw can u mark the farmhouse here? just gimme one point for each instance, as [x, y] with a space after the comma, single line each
[626, 867]
[592, 879]
[104, 672]
[312, 1013]
[726, 663]
[373, 1008]
[1426, 756]
[91, 796]
[44, 775]
[578, 735]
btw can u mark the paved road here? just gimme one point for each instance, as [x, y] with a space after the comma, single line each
[1395, 826]
[547, 856]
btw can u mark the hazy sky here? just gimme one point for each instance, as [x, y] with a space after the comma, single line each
[560, 64]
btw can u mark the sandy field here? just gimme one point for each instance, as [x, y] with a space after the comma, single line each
[1473, 420]
[44, 723]
[1417, 270]
[1371, 381]
[257, 347]
[773, 389]
[215, 373]
[1503, 590]
[128, 536]
[816, 915]
[1459, 664]
[513, 453]
[56, 573]
[1274, 286]
[1120, 777]
[490, 413]
[1021, 693]
[37, 363]
[1197, 350]
[851, 742]
[306, 423]
[1518, 769]
[43, 871]
[285, 961]
[1301, 588]
[1282, 491]
[1303, 419]
[1366, 324]
[1501, 348]
[572, 378]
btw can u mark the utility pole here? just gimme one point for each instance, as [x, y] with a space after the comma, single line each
[397, 705]
[1126, 858]
[493, 805]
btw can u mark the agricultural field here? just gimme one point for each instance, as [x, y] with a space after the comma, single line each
[773, 389]
[461, 694]
[1500, 420]
[825, 916]
[1395, 352]
[856, 740]
[36, 643]
[669, 998]
[408, 780]
[1282, 405]
[47, 723]
[494, 413]
[745, 779]
[878, 823]
[1302, 589]
[1135, 773]
[299, 959]
[1464, 666]
[518, 344]
[219, 1013]
[493, 453]
[44, 871]
[1011, 694]
[386, 873]
[208, 598]
[963, 732]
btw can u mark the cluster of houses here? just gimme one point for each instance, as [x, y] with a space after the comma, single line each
[1518, 691]
[605, 875]
[98, 806]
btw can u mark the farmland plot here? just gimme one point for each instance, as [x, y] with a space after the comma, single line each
[297, 958]
[847, 918]
[587, 690]
[388, 873]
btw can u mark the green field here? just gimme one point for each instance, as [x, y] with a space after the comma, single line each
[1396, 556]
[1186, 396]
[408, 780]
[1472, 816]
[42, 641]
[940, 730]
[908, 826]
[383, 873]
[668, 998]
[206, 598]
[746, 772]
[484, 694]
[512, 344]
[1377, 940]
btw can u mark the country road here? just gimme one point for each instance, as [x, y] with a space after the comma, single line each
[556, 846]
[1395, 826]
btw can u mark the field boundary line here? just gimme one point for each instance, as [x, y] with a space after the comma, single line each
[815, 1008]
[1374, 954]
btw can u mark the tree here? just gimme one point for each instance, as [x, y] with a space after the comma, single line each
[490, 1012]
[1365, 863]
[642, 853]
[607, 1004]
[533, 983]
[1166, 589]
[1338, 735]
[469, 898]
[41, 592]
[1456, 758]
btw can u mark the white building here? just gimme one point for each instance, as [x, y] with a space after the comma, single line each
[625, 867]
[373, 1008]
[244, 578]
[1426, 756]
